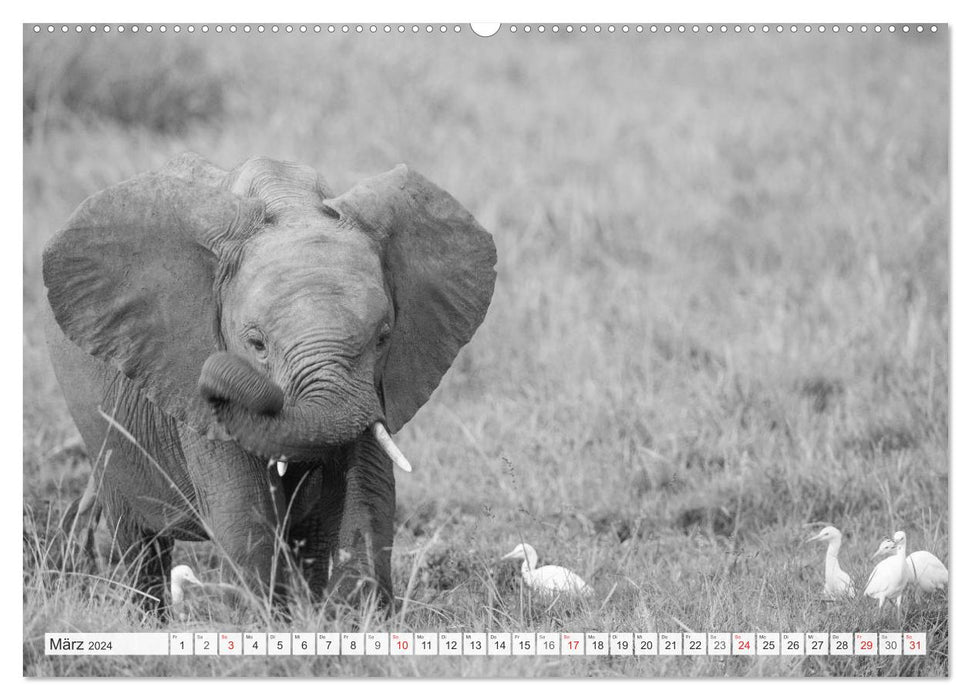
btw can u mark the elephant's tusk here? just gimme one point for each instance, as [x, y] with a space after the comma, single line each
[387, 444]
[281, 465]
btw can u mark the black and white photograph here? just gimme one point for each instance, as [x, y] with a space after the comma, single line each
[517, 350]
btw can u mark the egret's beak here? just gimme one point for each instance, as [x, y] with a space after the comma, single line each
[193, 580]
[513, 554]
[814, 538]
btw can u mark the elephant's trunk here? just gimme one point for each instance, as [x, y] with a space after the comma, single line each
[228, 377]
[252, 409]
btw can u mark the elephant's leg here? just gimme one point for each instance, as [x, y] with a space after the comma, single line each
[147, 559]
[317, 509]
[241, 505]
[365, 532]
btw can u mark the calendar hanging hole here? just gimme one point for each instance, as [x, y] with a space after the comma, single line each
[485, 29]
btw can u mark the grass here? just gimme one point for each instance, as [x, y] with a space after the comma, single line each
[721, 313]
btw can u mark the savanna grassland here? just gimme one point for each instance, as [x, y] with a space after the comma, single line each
[721, 314]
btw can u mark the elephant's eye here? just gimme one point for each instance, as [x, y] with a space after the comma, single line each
[384, 333]
[257, 342]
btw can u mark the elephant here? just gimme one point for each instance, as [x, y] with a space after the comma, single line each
[208, 325]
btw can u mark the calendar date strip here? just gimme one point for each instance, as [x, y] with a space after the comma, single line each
[487, 644]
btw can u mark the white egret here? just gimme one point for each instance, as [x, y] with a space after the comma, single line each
[838, 583]
[237, 599]
[547, 579]
[924, 570]
[182, 576]
[889, 578]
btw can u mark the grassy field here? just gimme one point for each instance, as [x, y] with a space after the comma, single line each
[721, 313]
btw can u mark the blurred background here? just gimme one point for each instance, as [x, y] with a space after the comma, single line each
[722, 303]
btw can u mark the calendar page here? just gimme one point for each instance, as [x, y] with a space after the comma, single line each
[547, 349]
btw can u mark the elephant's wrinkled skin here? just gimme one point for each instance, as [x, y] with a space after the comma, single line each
[225, 319]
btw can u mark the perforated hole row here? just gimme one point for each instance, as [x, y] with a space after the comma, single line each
[247, 28]
[512, 28]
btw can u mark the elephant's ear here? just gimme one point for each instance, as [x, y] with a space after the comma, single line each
[441, 267]
[130, 277]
